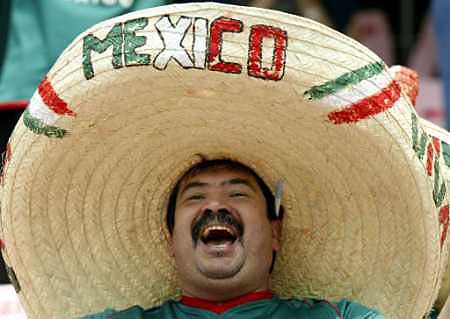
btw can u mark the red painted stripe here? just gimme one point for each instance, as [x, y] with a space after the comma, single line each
[430, 159]
[52, 100]
[437, 145]
[369, 106]
[409, 82]
[13, 105]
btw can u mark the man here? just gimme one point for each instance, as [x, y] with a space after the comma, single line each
[224, 237]
[150, 104]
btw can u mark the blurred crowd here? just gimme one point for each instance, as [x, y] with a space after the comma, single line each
[33, 34]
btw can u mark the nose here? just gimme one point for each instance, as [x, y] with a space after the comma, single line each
[215, 207]
[217, 211]
[219, 208]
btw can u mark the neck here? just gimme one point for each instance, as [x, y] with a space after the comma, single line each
[221, 307]
[222, 290]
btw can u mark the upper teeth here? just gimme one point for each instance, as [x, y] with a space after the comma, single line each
[216, 227]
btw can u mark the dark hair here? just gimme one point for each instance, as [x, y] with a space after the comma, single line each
[207, 164]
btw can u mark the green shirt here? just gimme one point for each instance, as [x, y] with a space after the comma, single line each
[274, 308]
[37, 31]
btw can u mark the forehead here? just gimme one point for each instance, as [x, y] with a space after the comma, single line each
[218, 174]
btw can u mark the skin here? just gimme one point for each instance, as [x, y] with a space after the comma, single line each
[219, 272]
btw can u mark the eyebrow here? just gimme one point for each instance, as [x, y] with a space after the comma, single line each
[239, 181]
[233, 181]
[192, 185]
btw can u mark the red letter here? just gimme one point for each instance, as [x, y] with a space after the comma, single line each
[257, 33]
[219, 26]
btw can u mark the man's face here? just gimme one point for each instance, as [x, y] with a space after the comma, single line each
[222, 239]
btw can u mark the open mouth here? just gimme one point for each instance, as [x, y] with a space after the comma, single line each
[216, 228]
[218, 235]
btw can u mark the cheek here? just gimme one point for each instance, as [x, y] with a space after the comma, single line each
[177, 235]
[183, 219]
[181, 232]
[257, 227]
[181, 245]
[259, 233]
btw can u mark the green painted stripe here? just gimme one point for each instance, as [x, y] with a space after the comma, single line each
[438, 193]
[38, 127]
[415, 131]
[420, 148]
[439, 198]
[352, 77]
[436, 173]
[446, 153]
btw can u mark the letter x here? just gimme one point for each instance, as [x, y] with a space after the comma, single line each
[172, 37]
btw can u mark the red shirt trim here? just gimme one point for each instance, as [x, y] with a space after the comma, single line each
[221, 307]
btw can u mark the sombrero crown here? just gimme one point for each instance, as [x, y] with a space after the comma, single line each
[133, 102]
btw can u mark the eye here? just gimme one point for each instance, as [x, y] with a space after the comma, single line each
[195, 197]
[237, 194]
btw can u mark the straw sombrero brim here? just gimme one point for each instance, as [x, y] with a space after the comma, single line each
[409, 82]
[441, 138]
[133, 102]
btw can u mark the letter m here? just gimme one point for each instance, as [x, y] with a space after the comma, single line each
[91, 43]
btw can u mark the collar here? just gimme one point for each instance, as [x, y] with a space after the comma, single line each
[221, 307]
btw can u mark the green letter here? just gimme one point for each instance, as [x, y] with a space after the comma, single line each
[131, 42]
[90, 42]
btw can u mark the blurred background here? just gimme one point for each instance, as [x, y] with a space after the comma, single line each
[33, 33]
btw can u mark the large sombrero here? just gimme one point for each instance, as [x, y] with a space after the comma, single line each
[133, 102]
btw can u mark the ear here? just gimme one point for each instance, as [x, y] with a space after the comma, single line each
[276, 226]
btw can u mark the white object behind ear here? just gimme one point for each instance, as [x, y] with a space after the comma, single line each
[279, 188]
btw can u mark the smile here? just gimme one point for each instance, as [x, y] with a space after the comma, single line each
[216, 228]
[218, 234]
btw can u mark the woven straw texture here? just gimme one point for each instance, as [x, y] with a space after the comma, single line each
[109, 131]
[409, 82]
[442, 141]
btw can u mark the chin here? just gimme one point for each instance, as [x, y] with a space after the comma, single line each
[220, 269]
[220, 290]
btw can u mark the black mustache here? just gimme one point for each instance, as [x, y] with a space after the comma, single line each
[222, 216]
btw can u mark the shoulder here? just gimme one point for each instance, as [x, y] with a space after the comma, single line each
[100, 315]
[134, 312]
[307, 307]
[318, 308]
[353, 310]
